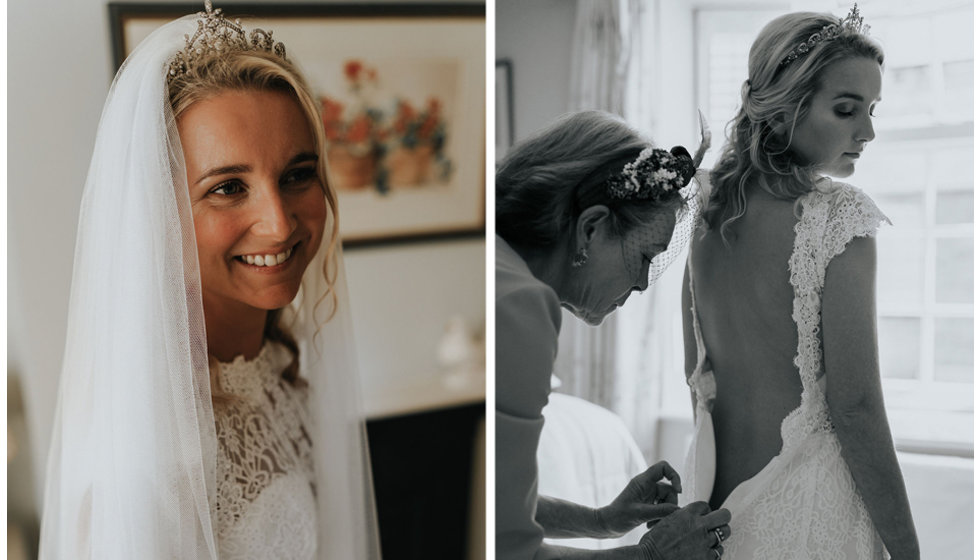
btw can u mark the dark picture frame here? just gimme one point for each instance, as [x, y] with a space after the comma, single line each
[504, 114]
[418, 172]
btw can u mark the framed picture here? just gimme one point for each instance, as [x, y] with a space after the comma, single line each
[504, 99]
[402, 89]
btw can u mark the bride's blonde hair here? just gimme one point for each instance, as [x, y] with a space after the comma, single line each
[262, 71]
[775, 98]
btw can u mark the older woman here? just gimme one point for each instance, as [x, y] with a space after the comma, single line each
[586, 212]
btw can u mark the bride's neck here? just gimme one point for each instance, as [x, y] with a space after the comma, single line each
[232, 334]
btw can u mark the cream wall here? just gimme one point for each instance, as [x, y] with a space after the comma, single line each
[57, 81]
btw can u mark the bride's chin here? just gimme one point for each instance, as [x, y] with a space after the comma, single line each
[840, 172]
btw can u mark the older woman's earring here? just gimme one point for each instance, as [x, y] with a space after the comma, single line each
[580, 258]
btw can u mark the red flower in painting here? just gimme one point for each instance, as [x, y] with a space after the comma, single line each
[332, 118]
[352, 69]
[405, 115]
[332, 110]
[359, 129]
[431, 121]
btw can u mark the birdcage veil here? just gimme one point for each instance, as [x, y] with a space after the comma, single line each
[687, 216]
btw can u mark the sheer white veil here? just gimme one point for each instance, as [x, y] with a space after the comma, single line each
[131, 471]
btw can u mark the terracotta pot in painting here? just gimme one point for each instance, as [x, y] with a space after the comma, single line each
[408, 167]
[349, 170]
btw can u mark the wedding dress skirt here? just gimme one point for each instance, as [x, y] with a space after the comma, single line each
[803, 504]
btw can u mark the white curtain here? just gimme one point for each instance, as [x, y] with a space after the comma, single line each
[601, 49]
[620, 365]
[613, 59]
[600, 55]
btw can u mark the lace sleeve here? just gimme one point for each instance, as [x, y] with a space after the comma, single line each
[852, 214]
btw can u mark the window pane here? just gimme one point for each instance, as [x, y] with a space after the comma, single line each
[898, 347]
[727, 53]
[954, 26]
[899, 285]
[953, 172]
[892, 169]
[953, 164]
[954, 350]
[908, 91]
[954, 207]
[904, 210]
[903, 36]
[958, 81]
[954, 270]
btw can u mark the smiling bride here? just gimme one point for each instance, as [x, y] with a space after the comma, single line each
[208, 404]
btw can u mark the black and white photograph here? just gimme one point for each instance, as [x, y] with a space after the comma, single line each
[734, 280]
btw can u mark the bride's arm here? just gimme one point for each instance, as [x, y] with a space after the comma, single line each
[854, 395]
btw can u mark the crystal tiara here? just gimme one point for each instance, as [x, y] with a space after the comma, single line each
[215, 33]
[853, 23]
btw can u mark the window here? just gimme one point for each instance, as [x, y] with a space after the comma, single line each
[920, 171]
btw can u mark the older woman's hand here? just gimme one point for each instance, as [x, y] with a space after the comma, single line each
[646, 498]
[693, 532]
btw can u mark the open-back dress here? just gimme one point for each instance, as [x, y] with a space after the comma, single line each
[804, 503]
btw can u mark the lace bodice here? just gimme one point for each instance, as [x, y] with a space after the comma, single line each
[265, 503]
[831, 215]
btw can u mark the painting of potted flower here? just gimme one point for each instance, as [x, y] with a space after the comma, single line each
[355, 130]
[380, 138]
[418, 137]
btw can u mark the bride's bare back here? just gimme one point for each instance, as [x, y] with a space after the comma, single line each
[745, 305]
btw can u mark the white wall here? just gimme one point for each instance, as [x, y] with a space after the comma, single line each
[402, 297]
[537, 37]
[402, 294]
[55, 92]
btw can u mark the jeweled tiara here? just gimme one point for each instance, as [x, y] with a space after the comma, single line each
[216, 34]
[853, 23]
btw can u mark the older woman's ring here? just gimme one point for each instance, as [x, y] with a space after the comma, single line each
[720, 535]
[717, 553]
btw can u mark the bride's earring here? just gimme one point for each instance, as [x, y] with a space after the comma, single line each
[580, 258]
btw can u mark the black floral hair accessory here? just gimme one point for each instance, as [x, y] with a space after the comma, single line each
[654, 175]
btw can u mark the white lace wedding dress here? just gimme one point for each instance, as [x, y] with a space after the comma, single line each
[803, 504]
[266, 505]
